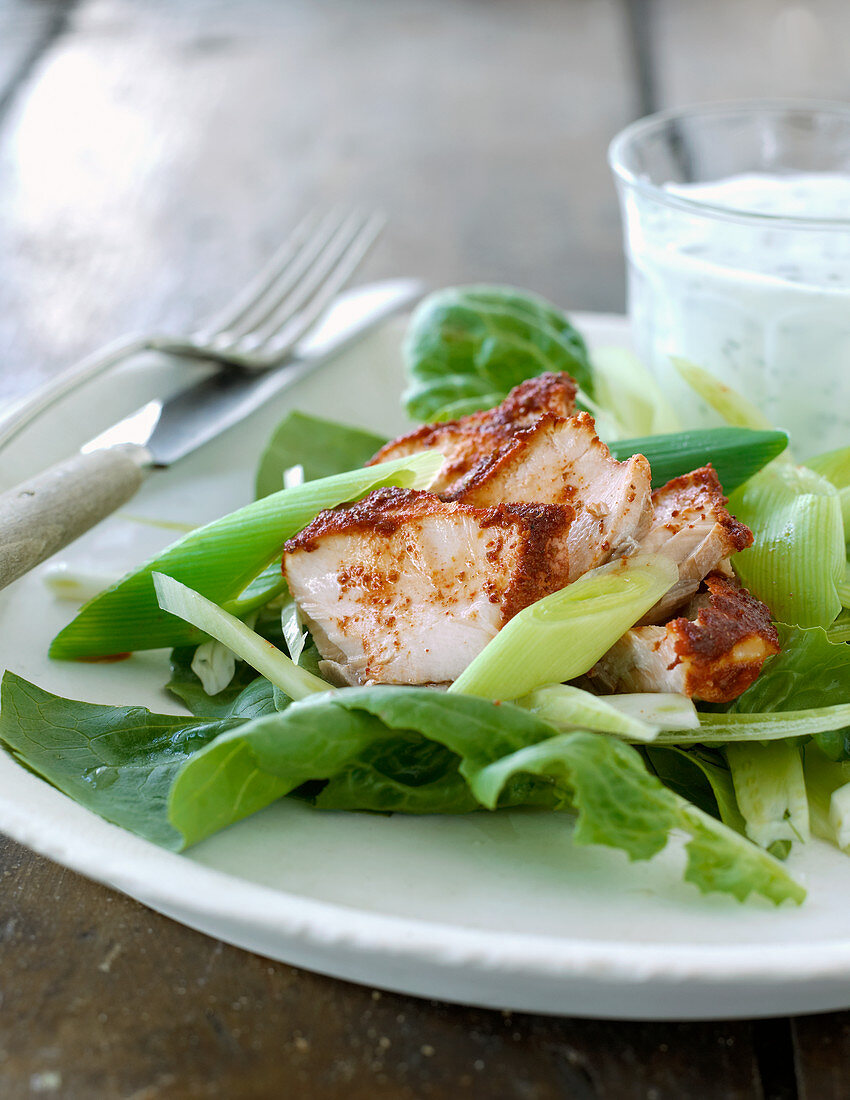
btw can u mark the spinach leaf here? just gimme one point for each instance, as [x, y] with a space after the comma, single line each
[322, 447]
[466, 347]
[119, 762]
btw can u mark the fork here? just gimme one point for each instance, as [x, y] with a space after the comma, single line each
[264, 322]
[258, 331]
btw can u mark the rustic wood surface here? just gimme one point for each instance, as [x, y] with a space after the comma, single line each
[150, 153]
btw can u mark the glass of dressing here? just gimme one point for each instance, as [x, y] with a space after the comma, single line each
[736, 219]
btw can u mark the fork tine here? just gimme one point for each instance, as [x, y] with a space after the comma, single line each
[289, 276]
[282, 339]
[311, 282]
[256, 289]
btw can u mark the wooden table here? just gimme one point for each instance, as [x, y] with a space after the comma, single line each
[150, 153]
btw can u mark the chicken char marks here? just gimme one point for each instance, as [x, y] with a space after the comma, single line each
[563, 461]
[692, 527]
[405, 588]
[713, 652]
[465, 442]
[408, 587]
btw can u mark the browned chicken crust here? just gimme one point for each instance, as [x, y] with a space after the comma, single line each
[466, 441]
[713, 654]
[692, 526]
[562, 460]
[405, 588]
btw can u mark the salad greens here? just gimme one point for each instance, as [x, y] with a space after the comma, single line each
[466, 347]
[320, 447]
[744, 782]
[386, 749]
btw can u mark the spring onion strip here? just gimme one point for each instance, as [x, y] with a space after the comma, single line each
[798, 556]
[666, 710]
[771, 791]
[564, 634]
[214, 665]
[221, 559]
[720, 729]
[566, 707]
[628, 393]
[294, 633]
[828, 788]
[731, 405]
[266, 658]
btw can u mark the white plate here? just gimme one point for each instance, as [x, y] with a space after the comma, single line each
[490, 909]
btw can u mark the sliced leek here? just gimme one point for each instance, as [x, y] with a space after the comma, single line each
[221, 559]
[771, 792]
[259, 653]
[835, 467]
[628, 394]
[563, 635]
[566, 707]
[727, 402]
[798, 556]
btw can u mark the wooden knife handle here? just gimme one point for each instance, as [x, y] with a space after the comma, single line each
[52, 509]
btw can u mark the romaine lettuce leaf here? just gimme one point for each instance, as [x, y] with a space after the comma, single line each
[119, 762]
[810, 671]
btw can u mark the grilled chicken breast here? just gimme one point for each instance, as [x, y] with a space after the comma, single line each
[466, 441]
[713, 653]
[692, 527]
[404, 588]
[563, 461]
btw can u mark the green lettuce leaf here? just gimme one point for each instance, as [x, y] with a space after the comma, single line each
[466, 347]
[322, 447]
[119, 762]
[177, 780]
[810, 672]
[702, 776]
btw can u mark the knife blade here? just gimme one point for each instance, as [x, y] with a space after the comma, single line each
[54, 508]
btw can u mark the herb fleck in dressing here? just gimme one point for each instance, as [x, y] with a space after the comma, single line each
[754, 284]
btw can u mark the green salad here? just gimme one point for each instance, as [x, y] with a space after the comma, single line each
[746, 782]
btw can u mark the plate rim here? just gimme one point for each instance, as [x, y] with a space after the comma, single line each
[325, 925]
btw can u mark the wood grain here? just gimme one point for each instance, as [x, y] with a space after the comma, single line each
[151, 153]
[104, 998]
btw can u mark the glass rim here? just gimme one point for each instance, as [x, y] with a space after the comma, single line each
[657, 121]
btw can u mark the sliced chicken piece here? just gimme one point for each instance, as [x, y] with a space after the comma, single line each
[466, 441]
[713, 654]
[404, 588]
[692, 527]
[563, 461]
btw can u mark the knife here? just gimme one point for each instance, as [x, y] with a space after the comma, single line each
[55, 507]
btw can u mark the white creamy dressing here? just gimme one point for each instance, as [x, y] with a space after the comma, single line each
[763, 304]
